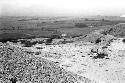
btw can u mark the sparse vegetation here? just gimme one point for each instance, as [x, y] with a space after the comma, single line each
[123, 40]
[18, 66]
[28, 43]
[100, 56]
[37, 53]
[80, 25]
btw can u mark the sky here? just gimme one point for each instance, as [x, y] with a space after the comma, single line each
[62, 7]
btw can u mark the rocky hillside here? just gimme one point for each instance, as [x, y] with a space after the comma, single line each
[21, 66]
[98, 57]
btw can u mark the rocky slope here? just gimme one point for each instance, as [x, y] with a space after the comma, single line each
[98, 57]
[20, 66]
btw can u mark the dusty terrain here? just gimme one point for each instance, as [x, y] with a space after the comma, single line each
[98, 57]
[102, 62]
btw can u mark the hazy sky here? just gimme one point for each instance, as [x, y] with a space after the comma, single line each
[61, 7]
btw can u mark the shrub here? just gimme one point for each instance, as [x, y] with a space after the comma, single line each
[28, 43]
[123, 40]
[100, 56]
[80, 25]
[37, 53]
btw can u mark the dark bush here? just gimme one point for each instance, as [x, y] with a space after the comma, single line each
[123, 40]
[100, 56]
[80, 25]
[49, 41]
[64, 42]
[39, 47]
[4, 40]
[28, 43]
[13, 80]
[38, 53]
[98, 40]
[56, 36]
